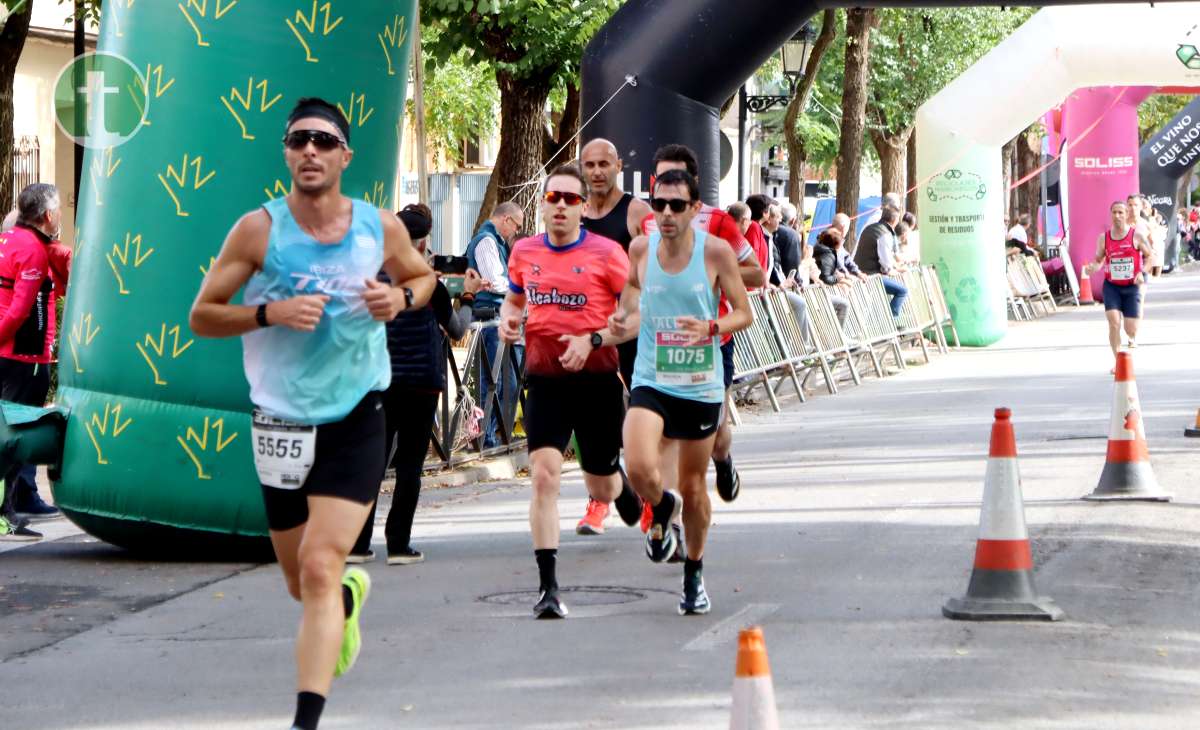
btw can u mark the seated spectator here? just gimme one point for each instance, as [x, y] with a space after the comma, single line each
[1018, 236]
[831, 272]
[910, 245]
[874, 255]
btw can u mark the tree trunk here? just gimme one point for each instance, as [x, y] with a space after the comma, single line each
[1029, 158]
[893, 153]
[854, 108]
[1006, 156]
[12, 42]
[914, 183]
[797, 153]
[522, 144]
[568, 127]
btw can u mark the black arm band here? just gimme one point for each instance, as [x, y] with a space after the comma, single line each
[260, 316]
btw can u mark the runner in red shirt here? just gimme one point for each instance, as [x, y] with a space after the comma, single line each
[570, 281]
[720, 224]
[1121, 249]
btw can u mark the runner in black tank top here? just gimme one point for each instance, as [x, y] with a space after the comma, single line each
[615, 225]
[602, 169]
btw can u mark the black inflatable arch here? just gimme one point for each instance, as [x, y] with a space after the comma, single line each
[687, 57]
[1166, 158]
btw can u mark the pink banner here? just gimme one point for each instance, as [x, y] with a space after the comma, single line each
[1102, 165]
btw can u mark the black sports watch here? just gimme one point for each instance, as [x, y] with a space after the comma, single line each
[597, 341]
[408, 299]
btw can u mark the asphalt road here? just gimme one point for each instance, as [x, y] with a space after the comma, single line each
[858, 518]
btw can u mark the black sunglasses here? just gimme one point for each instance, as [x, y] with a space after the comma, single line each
[323, 141]
[554, 196]
[678, 205]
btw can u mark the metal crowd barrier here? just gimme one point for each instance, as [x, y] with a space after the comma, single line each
[1028, 288]
[453, 442]
[776, 349]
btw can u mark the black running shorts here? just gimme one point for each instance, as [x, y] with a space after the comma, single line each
[683, 419]
[727, 362]
[349, 463]
[590, 405]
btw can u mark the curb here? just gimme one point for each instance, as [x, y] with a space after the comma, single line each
[501, 467]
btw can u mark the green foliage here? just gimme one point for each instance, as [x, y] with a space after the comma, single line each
[89, 9]
[917, 53]
[1157, 111]
[526, 39]
[461, 100]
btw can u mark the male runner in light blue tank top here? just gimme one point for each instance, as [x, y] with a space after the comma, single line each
[670, 301]
[316, 359]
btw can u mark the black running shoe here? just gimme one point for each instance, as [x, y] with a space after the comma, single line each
[694, 601]
[660, 538]
[549, 605]
[680, 553]
[729, 482]
[629, 505]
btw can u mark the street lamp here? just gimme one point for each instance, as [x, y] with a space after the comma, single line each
[794, 55]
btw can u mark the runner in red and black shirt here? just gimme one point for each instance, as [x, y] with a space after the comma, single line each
[720, 224]
[570, 282]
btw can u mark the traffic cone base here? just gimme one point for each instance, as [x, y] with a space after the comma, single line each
[1002, 595]
[1127, 474]
[1129, 481]
[1194, 431]
[1001, 587]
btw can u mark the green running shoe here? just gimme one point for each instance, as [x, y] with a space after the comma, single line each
[359, 582]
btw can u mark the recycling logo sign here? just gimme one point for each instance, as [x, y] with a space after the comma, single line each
[1188, 55]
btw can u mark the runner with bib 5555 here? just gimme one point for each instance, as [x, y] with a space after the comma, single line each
[316, 358]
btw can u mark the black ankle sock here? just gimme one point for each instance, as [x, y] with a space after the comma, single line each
[546, 559]
[726, 463]
[664, 509]
[309, 706]
[347, 600]
[692, 568]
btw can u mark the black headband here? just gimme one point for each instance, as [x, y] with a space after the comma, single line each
[318, 111]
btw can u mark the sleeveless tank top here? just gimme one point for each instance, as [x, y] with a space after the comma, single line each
[1124, 259]
[615, 225]
[317, 377]
[664, 361]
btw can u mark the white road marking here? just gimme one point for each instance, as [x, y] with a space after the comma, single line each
[727, 630]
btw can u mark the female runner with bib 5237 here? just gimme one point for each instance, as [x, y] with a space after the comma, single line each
[1122, 249]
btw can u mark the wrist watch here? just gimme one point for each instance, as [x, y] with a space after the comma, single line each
[408, 298]
[597, 340]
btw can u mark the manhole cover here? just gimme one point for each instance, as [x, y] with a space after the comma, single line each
[576, 596]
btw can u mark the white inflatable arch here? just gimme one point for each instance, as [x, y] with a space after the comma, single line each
[960, 131]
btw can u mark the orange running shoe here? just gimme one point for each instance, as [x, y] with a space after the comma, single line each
[647, 516]
[593, 520]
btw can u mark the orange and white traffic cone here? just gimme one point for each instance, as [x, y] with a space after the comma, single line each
[753, 693]
[1194, 431]
[1085, 288]
[1001, 586]
[1127, 472]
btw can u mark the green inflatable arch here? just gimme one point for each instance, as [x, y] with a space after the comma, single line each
[156, 452]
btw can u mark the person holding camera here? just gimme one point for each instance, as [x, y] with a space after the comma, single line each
[488, 254]
[417, 348]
